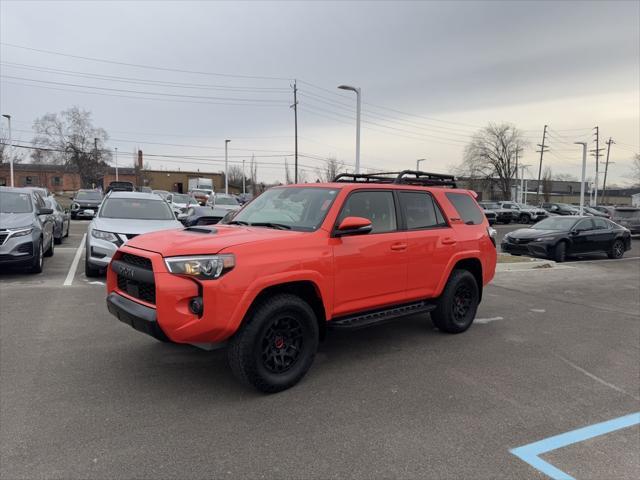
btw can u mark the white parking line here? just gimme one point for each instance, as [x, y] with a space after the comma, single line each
[487, 320]
[74, 265]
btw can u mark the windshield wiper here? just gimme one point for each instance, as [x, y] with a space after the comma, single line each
[279, 226]
[237, 222]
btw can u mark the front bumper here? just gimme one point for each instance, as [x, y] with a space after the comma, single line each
[136, 315]
[100, 252]
[17, 250]
[535, 249]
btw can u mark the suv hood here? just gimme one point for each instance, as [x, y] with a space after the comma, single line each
[15, 220]
[133, 226]
[205, 240]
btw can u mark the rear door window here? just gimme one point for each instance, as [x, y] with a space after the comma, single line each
[420, 210]
[466, 208]
[601, 224]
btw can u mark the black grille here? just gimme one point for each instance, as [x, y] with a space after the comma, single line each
[141, 262]
[131, 235]
[25, 248]
[3, 237]
[142, 290]
[136, 288]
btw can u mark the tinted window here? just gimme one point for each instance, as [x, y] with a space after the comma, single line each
[13, 202]
[139, 208]
[466, 208]
[626, 213]
[586, 224]
[180, 198]
[378, 207]
[89, 196]
[420, 210]
[225, 201]
[601, 224]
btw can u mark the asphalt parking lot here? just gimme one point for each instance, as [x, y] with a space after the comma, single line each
[553, 351]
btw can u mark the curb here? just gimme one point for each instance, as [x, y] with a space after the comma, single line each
[534, 264]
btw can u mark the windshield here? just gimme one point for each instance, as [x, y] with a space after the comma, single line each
[626, 214]
[136, 208]
[225, 201]
[490, 205]
[556, 223]
[299, 208]
[181, 198]
[89, 196]
[14, 202]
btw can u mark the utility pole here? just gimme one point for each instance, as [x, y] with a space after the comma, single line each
[244, 190]
[516, 197]
[584, 171]
[8, 117]
[523, 192]
[295, 118]
[542, 150]
[116, 164]
[226, 167]
[596, 153]
[606, 168]
[418, 163]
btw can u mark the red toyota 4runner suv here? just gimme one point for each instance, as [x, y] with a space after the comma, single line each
[301, 259]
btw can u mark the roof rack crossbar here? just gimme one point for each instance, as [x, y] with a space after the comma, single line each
[405, 177]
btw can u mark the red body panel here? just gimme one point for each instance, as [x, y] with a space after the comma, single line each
[351, 273]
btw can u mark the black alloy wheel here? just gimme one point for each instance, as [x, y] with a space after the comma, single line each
[281, 344]
[617, 250]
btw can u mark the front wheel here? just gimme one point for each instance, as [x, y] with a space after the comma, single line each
[524, 218]
[458, 304]
[276, 345]
[90, 270]
[617, 250]
[560, 252]
[38, 262]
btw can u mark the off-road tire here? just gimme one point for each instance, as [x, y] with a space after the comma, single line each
[525, 218]
[90, 270]
[37, 263]
[617, 250]
[560, 252]
[449, 316]
[51, 249]
[249, 349]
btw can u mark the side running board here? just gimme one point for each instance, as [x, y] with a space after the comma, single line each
[374, 317]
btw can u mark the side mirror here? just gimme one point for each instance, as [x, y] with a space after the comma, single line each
[45, 211]
[354, 226]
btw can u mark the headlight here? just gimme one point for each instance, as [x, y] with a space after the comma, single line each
[508, 235]
[108, 236]
[21, 232]
[75, 206]
[205, 267]
[542, 239]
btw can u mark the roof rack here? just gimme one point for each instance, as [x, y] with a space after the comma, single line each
[405, 177]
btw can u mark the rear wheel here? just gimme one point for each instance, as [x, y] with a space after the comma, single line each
[50, 250]
[617, 250]
[458, 304]
[276, 345]
[525, 218]
[560, 252]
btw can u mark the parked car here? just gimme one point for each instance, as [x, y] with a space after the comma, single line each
[560, 236]
[26, 229]
[301, 259]
[225, 202]
[594, 212]
[61, 217]
[628, 217]
[605, 209]
[85, 203]
[503, 215]
[201, 196]
[197, 215]
[118, 186]
[123, 216]
[179, 202]
[244, 198]
[524, 213]
[560, 208]
[490, 214]
[164, 194]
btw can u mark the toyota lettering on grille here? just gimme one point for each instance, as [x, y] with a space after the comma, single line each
[125, 271]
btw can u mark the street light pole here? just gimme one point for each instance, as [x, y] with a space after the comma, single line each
[244, 191]
[226, 168]
[116, 164]
[8, 117]
[584, 172]
[358, 106]
[418, 163]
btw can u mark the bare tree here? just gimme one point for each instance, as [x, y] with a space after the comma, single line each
[69, 138]
[331, 169]
[302, 176]
[8, 152]
[287, 174]
[491, 155]
[235, 175]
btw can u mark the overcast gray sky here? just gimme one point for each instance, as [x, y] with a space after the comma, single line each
[431, 73]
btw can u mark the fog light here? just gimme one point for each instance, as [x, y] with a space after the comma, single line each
[196, 306]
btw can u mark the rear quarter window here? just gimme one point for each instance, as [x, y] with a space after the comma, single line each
[466, 208]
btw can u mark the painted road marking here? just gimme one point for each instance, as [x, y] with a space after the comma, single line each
[487, 320]
[538, 310]
[531, 453]
[74, 265]
[594, 377]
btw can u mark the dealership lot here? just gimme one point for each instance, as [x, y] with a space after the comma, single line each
[552, 351]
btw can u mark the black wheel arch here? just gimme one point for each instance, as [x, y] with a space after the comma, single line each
[304, 289]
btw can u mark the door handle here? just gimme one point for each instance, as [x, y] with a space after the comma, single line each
[448, 241]
[399, 246]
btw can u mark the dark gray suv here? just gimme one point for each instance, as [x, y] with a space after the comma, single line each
[26, 229]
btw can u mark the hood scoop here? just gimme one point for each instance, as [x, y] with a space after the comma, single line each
[201, 230]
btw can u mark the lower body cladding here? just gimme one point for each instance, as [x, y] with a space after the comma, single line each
[169, 307]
